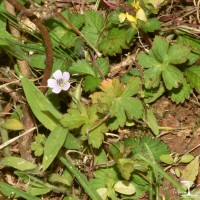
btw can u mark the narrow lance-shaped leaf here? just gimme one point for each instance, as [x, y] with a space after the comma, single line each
[53, 144]
[40, 105]
[17, 163]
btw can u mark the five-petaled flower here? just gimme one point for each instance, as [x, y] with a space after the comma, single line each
[140, 14]
[59, 82]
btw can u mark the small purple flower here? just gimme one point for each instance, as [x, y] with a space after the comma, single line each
[60, 81]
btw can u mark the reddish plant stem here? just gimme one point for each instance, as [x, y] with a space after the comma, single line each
[178, 21]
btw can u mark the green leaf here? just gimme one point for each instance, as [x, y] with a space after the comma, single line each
[193, 76]
[179, 95]
[157, 147]
[91, 83]
[167, 158]
[12, 124]
[151, 121]
[40, 105]
[172, 77]
[151, 25]
[82, 67]
[160, 48]
[133, 107]
[35, 191]
[109, 46]
[190, 41]
[37, 61]
[152, 77]
[148, 60]
[125, 166]
[74, 18]
[9, 190]
[17, 163]
[132, 87]
[186, 158]
[53, 144]
[73, 119]
[37, 148]
[68, 39]
[150, 95]
[94, 23]
[96, 136]
[103, 64]
[177, 54]
[71, 142]
[124, 187]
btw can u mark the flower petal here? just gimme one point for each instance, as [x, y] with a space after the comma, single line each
[131, 18]
[141, 15]
[51, 83]
[66, 86]
[66, 76]
[122, 17]
[57, 89]
[57, 74]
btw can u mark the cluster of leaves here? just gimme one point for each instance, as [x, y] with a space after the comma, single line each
[114, 104]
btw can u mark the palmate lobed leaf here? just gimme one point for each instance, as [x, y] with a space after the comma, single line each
[112, 87]
[157, 147]
[94, 23]
[109, 46]
[73, 119]
[120, 103]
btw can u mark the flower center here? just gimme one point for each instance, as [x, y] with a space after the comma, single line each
[60, 82]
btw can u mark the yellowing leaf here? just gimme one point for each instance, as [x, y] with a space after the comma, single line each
[103, 192]
[167, 158]
[191, 170]
[12, 124]
[156, 3]
[124, 187]
[186, 158]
